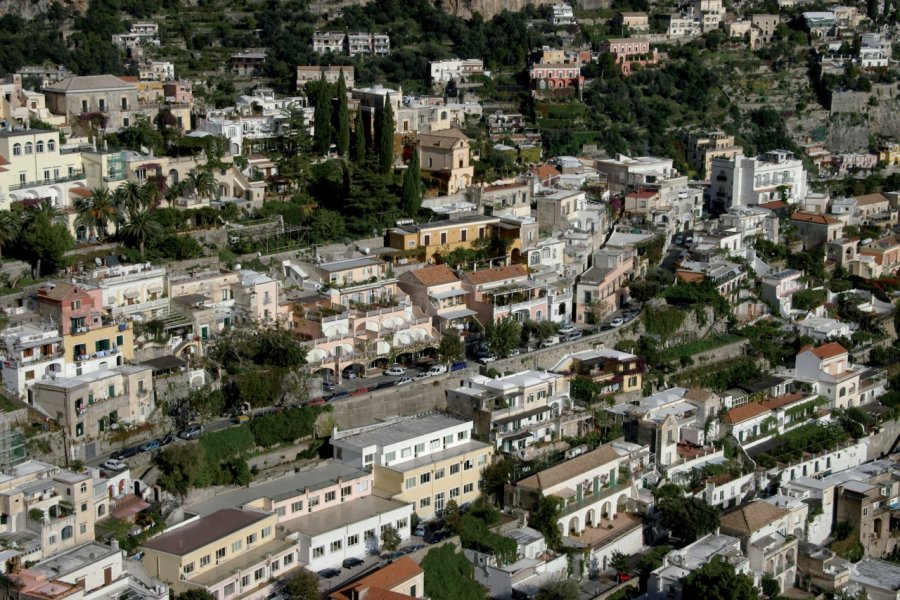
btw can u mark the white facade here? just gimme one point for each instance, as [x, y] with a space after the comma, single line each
[841, 459]
[562, 15]
[746, 181]
[129, 290]
[665, 582]
[458, 69]
[30, 354]
[824, 328]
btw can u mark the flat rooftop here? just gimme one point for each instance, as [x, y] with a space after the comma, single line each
[399, 431]
[442, 455]
[205, 530]
[342, 515]
[72, 560]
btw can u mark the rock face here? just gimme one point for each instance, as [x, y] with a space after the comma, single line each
[487, 8]
[29, 9]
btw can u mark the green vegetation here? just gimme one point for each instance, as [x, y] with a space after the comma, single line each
[717, 580]
[808, 299]
[449, 575]
[560, 589]
[544, 518]
[721, 375]
[663, 322]
[812, 438]
[691, 349]
[688, 518]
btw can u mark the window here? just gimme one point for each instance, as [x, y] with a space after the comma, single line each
[402, 524]
[462, 435]
[313, 502]
[51, 146]
[274, 567]
[46, 174]
[330, 496]
[439, 502]
[22, 178]
[448, 439]
[353, 540]
[84, 507]
[318, 552]
[220, 553]
[410, 483]
[82, 528]
[336, 545]
[424, 478]
[454, 492]
[235, 547]
[482, 460]
[251, 539]
[435, 444]
[463, 235]
[297, 506]
[288, 559]
[443, 237]
[439, 474]
[406, 452]
[454, 469]
[29, 148]
[245, 581]
[229, 590]
[39, 147]
[390, 457]
[420, 448]
[426, 239]
[102, 103]
[467, 489]
[367, 460]
[259, 574]
[17, 149]
[425, 502]
[79, 429]
[281, 511]
[189, 568]
[346, 491]
[468, 465]
[29, 375]
[267, 531]
[204, 561]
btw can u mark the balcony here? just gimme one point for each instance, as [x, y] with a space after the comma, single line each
[140, 307]
[32, 360]
[28, 184]
[590, 499]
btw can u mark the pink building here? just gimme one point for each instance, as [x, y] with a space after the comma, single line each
[603, 289]
[75, 309]
[506, 292]
[180, 92]
[553, 77]
[629, 52]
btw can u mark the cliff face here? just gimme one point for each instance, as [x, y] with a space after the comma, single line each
[487, 8]
[29, 9]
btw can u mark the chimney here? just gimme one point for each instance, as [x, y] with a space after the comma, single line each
[359, 593]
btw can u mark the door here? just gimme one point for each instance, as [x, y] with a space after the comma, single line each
[107, 576]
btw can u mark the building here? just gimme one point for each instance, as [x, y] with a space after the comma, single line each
[828, 368]
[444, 158]
[328, 42]
[424, 461]
[440, 293]
[30, 354]
[506, 292]
[630, 53]
[704, 147]
[82, 96]
[665, 581]
[602, 289]
[778, 288]
[626, 174]
[562, 15]
[885, 252]
[520, 411]
[764, 25]
[425, 240]
[456, 69]
[615, 371]
[879, 579]
[307, 73]
[247, 64]
[96, 403]
[34, 169]
[128, 290]
[742, 181]
[769, 537]
[637, 22]
[536, 564]
[756, 421]
[548, 78]
[727, 277]
[231, 553]
[816, 230]
[823, 329]
[369, 44]
[401, 579]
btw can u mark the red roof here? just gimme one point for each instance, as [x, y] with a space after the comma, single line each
[814, 218]
[826, 351]
[642, 194]
[545, 172]
[747, 411]
[384, 580]
[774, 205]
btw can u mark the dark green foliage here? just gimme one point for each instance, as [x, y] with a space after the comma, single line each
[688, 518]
[545, 518]
[770, 586]
[663, 322]
[303, 586]
[385, 130]
[703, 292]
[322, 117]
[717, 580]
[43, 242]
[342, 117]
[220, 445]
[494, 478]
[651, 285]
[648, 563]
[808, 299]
[293, 424]
[813, 438]
[195, 594]
[182, 466]
[451, 348]
[450, 576]
[358, 146]
[412, 186]
[723, 375]
[564, 588]
[503, 336]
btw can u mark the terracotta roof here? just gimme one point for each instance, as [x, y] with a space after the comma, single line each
[698, 395]
[774, 205]
[88, 83]
[383, 580]
[204, 531]
[870, 199]
[642, 194]
[747, 411]
[434, 275]
[60, 291]
[814, 218]
[496, 274]
[689, 276]
[751, 517]
[80, 191]
[545, 172]
[500, 187]
[783, 400]
[574, 467]
[446, 138]
[3, 160]
[826, 351]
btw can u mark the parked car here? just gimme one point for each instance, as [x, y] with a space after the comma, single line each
[422, 375]
[487, 358]
[566, 329]
[391, 555]
[358, 391]
[435, 537]
[617, 322]
[339, 395]
[437, 369]
[350, 563]
[328, 386]
[350, 375]
[395, 371]
[149, 446]
[125, 453]
[420, 530]
[114, 465]
[404, 380]
[414, 548]
[551, 341]
[385, 384]
[166, 439]
[329, 573]
[459, 366]
[575, 335]
[191, 432]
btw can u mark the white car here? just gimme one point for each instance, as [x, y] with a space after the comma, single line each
[567, 329]
[404, 380]
[487, 359]
[514, 352]
[617, 322]
[114, 465]
[395, 371]
[437, 370]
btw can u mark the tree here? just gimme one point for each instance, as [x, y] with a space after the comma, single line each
[44, 243]
[322, 118]
[620, 564]
[450, 576]
[303, 586]
[770, 586]
[326, 226]
[545, 519]
[182, 466]
[141, 227]
[204, 404]
[390, 539]
[689, 517]
[9, 228]
[412, 186]
[717, 580]
[453, 516]
[201, 182]
[451, 348]
[128, 197]
[386, 139]
[495, 477]
[562, 588]
[648, 563]
[502, 337]
[96, 211]
[343, 118]
[359, 138]
[195, 594]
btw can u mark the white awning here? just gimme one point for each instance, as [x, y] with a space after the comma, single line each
[447, 294]
[155, 288]
[132, 293]
[457, 314]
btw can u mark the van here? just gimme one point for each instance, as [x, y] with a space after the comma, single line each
[551, 341]
[437, 370]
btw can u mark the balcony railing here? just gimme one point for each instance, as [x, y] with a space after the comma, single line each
[130, 309]
[75, 175]
[590, 499]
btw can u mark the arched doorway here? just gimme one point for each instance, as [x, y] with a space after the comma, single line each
[591, 518]
[173, 177]
[573, 526]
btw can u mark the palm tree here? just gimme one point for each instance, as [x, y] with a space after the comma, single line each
[202, 183]
[175, 191]
[129, 197]
[96, 211]
[9, 228]
[153, 192]
[46, 209]
[141, 227]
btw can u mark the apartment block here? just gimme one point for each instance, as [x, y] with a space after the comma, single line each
[742, 181]
[129, 290]
[506, 293]
[35, 168]
[441, 236]
[307, 73]
[29, 354]
[615, 371]
[769, 538]
[441, 295]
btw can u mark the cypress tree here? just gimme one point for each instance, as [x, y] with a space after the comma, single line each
[322, 118]
[412, 186]
[359, 138]
[343, 118]
[386, 139]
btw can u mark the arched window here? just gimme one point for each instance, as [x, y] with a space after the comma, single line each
[29, 148]
[67, 532]
[39, 147]
[17, 149]
[51, 145]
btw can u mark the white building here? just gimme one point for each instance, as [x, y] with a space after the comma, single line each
[744, 181]
[536, 564]
[128, 290]
[822, 329]
[665, 582]
[30, 354]
[457, 69]
[156, 70]
[562, 15]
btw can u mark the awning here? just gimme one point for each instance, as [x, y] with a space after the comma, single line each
[564, 493]
[447, 294]
[155, 288]
[132, 293]
[80, 192]
[457, 314]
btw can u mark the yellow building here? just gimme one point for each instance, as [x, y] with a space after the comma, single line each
[442, 237]
[34, 168]
[889, 153]
[112, 344]
[613, 370]
[231, 553]
[444, 155]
